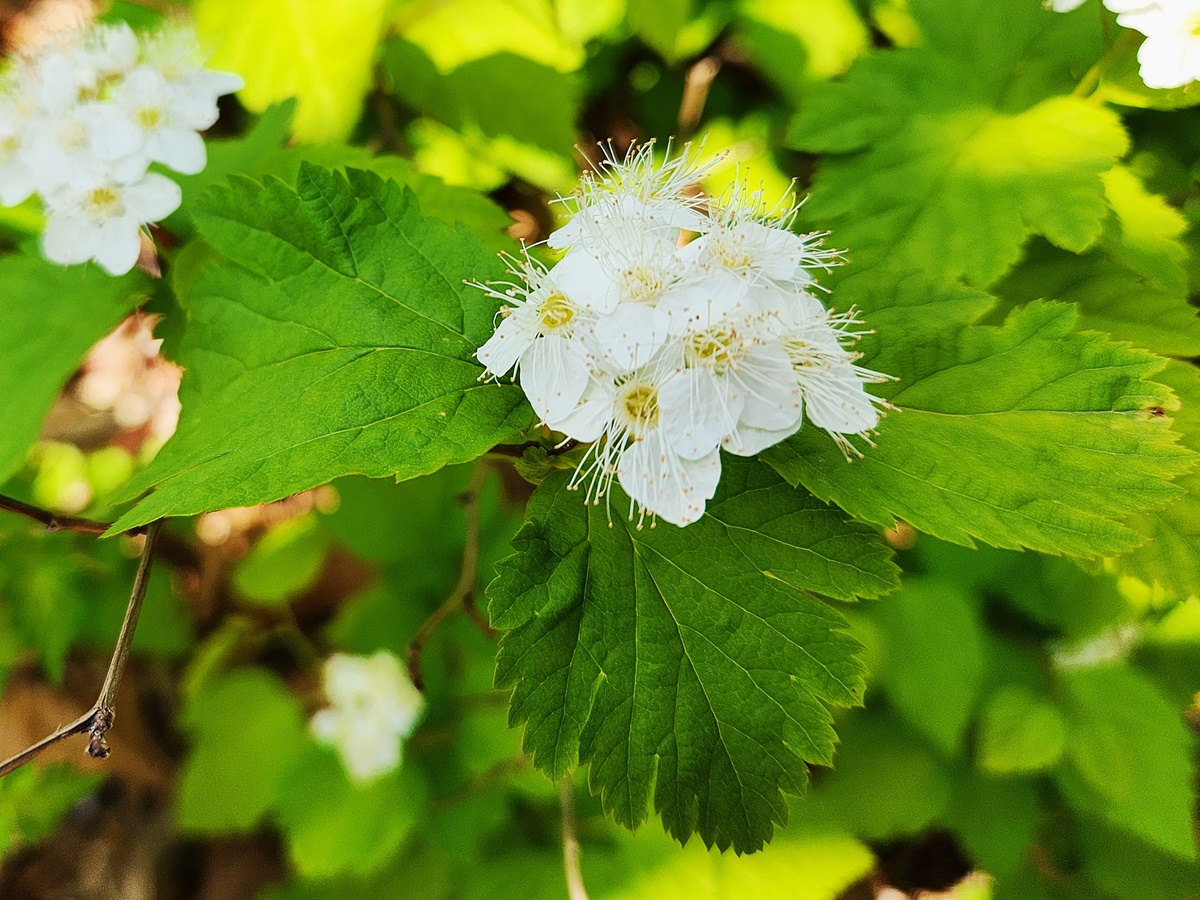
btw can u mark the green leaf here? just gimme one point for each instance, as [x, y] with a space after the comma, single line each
[317, 52]
[1019, 732]
[33, 799]
[1024, 435]
[819, 865]
[933, 658]
[659, 24]
[887, 782]
[953, 153]
[499, 95]
[261, 152]
[1130, 757]
[339, 338]
[334, 826]
[1171, 558]
[246, 731]
[1132, 285]
[796, 45]
[285, 562]
[995, 820]
[53, 315]
[688, 666]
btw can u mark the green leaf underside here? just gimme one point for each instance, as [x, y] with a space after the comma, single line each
[338, 339]
[1025, 435]
[689, 667]
[955, 180]
[52, 317]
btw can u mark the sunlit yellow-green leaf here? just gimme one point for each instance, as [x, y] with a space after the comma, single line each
[320, 53]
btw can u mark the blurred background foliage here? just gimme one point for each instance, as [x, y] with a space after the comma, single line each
[1029, 729]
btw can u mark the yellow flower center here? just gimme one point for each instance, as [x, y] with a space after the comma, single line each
[149, 117]
[644, 284]
[103, 201]
[639, 403]
[712, 348]
[557, 312]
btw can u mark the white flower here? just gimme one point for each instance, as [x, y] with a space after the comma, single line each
[175, 54]
[636, 189]
[1170, 55]
[18, 108]
[103, 222]
[657, 350]
[81, 122]
[373, 707]
[147, 125]
[635, 442]
[542, 335]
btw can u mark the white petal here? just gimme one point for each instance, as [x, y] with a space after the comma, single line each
[748, 441]
[1163, 61]
[512, 337]
[772, 392]
[836, 400]
[631, 334]
[180, 148]
[697, 410]
[67, 241]
[554, 374]
[16, 182]
[113, 135]
[584, 281]
[118, 246]
[590, 418]
[674, 489]
[703, 303]
[153, 198]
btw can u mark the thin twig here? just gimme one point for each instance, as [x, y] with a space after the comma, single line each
[99, 719]
[575, 888]
[464, 590]
[53, 521]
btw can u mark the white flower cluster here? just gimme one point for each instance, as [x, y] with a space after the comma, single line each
[82, 120]
[1170, 55]
[373, 707]
[659, 350]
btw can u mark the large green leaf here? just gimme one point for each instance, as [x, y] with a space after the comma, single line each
[688, 666]
[247, 730]
[932, 619]
[1171, 557]
[338, 338]
[951, 154]
[1132, 284]
[52, 316]
[1130, 757]
[1025, 435]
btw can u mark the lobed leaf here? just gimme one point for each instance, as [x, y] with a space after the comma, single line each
[954, 152]
[689, 667]
[338, 338]
[1028, 434]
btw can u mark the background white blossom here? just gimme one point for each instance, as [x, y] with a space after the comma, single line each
[373, 706]
[84, 118]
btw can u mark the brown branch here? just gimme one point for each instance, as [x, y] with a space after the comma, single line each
[462, 597]
[99, 719]
[575, 888]
[55, 522]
